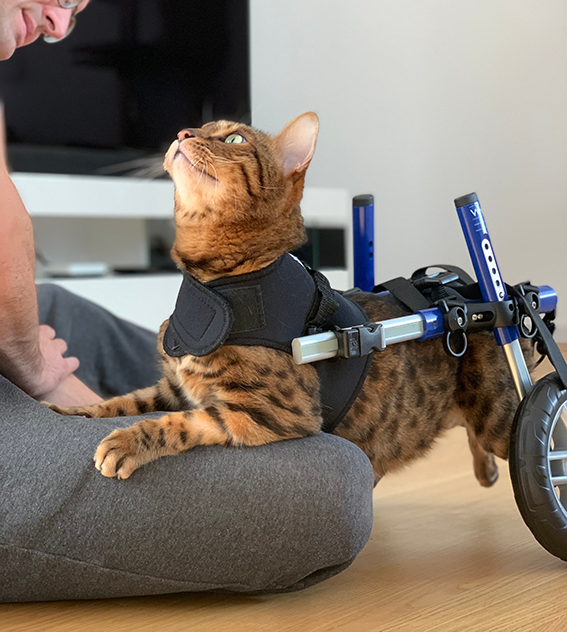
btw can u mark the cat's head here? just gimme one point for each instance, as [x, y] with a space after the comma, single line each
[237, 194]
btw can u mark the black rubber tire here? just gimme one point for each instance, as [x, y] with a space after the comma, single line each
[529, 465]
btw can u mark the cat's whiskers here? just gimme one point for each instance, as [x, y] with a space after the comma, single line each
[147, 167]
[227, 160]
[149, 173]
[200, 175]
[216, 176]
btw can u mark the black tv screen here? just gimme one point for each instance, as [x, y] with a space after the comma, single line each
[119, 88]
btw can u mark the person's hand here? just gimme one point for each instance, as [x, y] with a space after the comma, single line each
[54, 367]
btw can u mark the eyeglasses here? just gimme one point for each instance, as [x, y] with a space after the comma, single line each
[64, 4]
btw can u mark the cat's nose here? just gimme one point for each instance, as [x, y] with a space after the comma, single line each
[184, 134]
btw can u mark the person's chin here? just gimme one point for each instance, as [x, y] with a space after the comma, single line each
[10, 42]
[7, 49]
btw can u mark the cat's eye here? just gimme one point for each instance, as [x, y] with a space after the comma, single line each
[235, 138]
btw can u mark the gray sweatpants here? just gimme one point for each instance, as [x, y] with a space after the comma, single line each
[274, 518]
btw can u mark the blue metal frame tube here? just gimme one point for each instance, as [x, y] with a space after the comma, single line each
[363, 241]
[483, 259]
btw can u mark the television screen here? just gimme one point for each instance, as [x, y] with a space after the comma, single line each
[119, 88]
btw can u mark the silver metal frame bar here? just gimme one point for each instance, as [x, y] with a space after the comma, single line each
[326, 345]
[316, 347]
[403, 328]
[518, 368]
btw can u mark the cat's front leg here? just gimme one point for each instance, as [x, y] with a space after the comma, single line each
[75, 411]
[161, 397]
[126, 449]
[225, 423]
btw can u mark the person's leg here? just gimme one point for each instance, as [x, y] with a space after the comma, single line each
[274, 518]
[116, 356]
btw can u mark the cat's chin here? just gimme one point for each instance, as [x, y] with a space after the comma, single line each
[179, 165]
[168, 158]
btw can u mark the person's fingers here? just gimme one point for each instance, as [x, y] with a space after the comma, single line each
[61, 345]
[47, 331]
[72, 364]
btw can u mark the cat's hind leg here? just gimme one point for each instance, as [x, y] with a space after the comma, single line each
[484, 464]
[487, 399]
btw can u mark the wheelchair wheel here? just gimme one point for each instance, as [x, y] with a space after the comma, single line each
[538, 463]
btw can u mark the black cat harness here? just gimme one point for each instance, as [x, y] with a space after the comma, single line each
[269, 308]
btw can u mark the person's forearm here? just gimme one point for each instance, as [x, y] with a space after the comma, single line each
[72, 392]
[20, 356]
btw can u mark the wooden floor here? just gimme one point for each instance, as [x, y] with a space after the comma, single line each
[446, 555]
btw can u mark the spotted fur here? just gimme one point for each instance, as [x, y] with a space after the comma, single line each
[236, 211]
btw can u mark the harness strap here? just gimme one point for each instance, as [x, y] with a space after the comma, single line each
[463, 276]
[551, 349]
[405, 292]
[325, 305]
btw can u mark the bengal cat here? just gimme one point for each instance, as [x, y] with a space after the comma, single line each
[237, 210]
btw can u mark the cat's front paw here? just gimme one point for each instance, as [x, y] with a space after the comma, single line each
[118, 454]
[70, 411]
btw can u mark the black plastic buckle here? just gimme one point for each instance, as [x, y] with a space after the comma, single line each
[361, 340]
[435, 280]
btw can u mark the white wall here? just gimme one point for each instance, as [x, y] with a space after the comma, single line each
[421, 101]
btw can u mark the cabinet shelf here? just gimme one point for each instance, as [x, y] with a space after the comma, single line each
[91, 211]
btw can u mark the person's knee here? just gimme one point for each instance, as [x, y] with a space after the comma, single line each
[56, 307]
[48, 293]
[352, 506]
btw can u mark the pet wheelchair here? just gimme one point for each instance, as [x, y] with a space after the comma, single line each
[449, 304]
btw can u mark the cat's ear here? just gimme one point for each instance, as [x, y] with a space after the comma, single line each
[297, 142]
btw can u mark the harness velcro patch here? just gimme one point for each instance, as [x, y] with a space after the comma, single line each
[200, 323]
[247, 307]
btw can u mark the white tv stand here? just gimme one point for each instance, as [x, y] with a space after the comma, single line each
[102, 218]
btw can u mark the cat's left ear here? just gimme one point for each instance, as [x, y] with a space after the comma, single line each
[297, 142]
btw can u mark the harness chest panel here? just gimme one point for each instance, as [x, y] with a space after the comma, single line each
[269, 307]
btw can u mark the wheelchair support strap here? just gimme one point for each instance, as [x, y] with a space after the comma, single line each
[554, 354]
